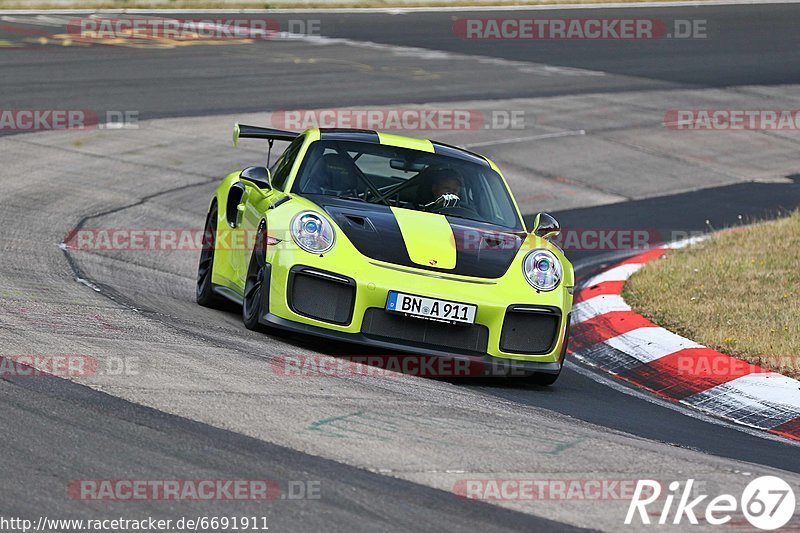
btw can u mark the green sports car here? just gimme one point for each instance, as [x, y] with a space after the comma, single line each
[398, 243]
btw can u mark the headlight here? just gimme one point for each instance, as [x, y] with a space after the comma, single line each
[542, 269]
[312, 233]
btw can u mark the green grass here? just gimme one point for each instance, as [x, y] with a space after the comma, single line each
[738, 293]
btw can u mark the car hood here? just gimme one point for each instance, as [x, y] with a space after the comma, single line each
[424, 240]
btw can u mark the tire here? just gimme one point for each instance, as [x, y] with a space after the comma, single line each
[256, 291]
[543, 380]
[204, 293]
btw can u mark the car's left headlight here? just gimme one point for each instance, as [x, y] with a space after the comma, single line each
[312, 232]
[542, 269]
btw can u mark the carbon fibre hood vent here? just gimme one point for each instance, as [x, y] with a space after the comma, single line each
[361, 222]
[482, 250]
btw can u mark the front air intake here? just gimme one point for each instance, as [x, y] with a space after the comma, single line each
[321, 295]
[529, 329]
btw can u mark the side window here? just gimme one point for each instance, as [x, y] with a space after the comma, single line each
[283, 166]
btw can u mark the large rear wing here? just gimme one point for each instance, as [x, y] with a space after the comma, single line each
[242, 131]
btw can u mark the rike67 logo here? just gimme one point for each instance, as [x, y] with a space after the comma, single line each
[767, 502]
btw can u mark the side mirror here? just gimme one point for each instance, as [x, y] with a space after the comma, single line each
[259, 177]
[545, 226]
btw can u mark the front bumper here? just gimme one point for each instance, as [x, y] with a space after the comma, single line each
[486, 365]
[371, 282]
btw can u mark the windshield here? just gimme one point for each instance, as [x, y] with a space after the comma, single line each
[410, 179]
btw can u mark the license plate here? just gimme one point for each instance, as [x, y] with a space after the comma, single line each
[430, 308]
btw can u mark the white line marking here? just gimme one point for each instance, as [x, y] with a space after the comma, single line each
[618, 273]
[89, 284]
[40, 20]
[530, 138]
[599, 305]
[525, 67]
[686, 242]
[432, 54]
[766, 387]
[649, 344]
[753, 401]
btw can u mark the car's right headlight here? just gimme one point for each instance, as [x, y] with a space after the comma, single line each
[312, 232]
[542, 269]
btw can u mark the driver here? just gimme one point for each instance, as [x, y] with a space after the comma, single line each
[441, 188]
[445, 184]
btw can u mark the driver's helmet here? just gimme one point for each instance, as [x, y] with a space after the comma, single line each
[436, 182]
[333, 174]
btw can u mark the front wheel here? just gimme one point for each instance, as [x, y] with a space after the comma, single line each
[544, 380]
[204, 293]
[255, 290]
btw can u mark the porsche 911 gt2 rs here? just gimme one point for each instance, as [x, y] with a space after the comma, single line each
[389, 241]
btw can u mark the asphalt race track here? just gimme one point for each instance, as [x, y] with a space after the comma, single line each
[205, 400]
[745, 45]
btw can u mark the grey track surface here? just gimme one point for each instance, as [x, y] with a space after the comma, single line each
[746, 45]
[387, 451]
[73, 430]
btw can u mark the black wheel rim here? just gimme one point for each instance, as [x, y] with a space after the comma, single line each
[254, 284]
[206, 265]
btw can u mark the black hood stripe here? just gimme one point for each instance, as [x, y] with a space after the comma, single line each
[482, 250]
